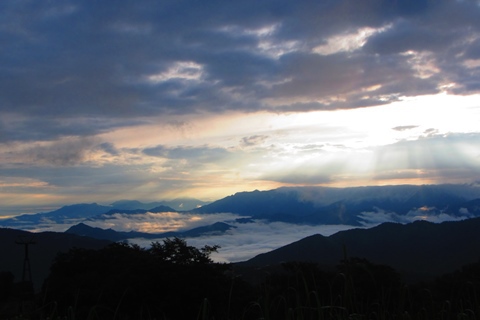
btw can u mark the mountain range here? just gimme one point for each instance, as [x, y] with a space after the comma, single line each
[355, 206]
[85, 211]
[324, 205]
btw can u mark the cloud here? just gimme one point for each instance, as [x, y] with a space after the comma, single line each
[253, 140]
[24, 128]
[192, 154]
[300, 177]
[435, 157]
[139, 98]
[138, 60]
[246, 240]
[68, 152]
[435, 151]
[109, 148]
[409, 35]
[242, 242]
[427, 214]
[159, 222]
[249, 239]
[403, 128]
[431, 132]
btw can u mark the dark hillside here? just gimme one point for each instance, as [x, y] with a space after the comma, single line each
[418, 249]
[41, 254]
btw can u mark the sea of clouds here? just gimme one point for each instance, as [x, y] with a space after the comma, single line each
[247, 237]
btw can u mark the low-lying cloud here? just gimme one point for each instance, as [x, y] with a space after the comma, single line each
[246, 239]
[430, 214]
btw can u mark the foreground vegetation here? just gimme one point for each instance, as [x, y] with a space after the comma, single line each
[172, 280]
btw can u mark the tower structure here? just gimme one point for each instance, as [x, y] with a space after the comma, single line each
[27, 271]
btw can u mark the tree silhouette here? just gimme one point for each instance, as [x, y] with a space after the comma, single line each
[177, 251]
[171, 279]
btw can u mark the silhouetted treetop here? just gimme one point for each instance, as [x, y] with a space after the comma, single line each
[177, 251]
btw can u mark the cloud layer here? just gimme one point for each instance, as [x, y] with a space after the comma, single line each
[245, 240]
[160, 99]
[84, 60]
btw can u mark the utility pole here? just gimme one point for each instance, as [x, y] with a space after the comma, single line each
[26, 292]
[27, 271]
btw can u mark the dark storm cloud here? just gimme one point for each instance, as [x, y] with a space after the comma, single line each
[65, 61]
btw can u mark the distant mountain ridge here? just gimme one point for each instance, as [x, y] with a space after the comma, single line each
[62, 215]
[179, 204]
[82, 229]
[158, 209]
[417, 249]
[84, 211]
[324, 205]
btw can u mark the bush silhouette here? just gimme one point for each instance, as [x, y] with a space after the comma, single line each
[171, 280]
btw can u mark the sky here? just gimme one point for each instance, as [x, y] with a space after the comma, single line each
[152, 100]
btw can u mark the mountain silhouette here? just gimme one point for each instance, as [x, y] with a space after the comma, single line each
[157, 209]
[82, 229]
[62, 215]
[418, 250]
[180, 204]
[84, 211]
[324, 205]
